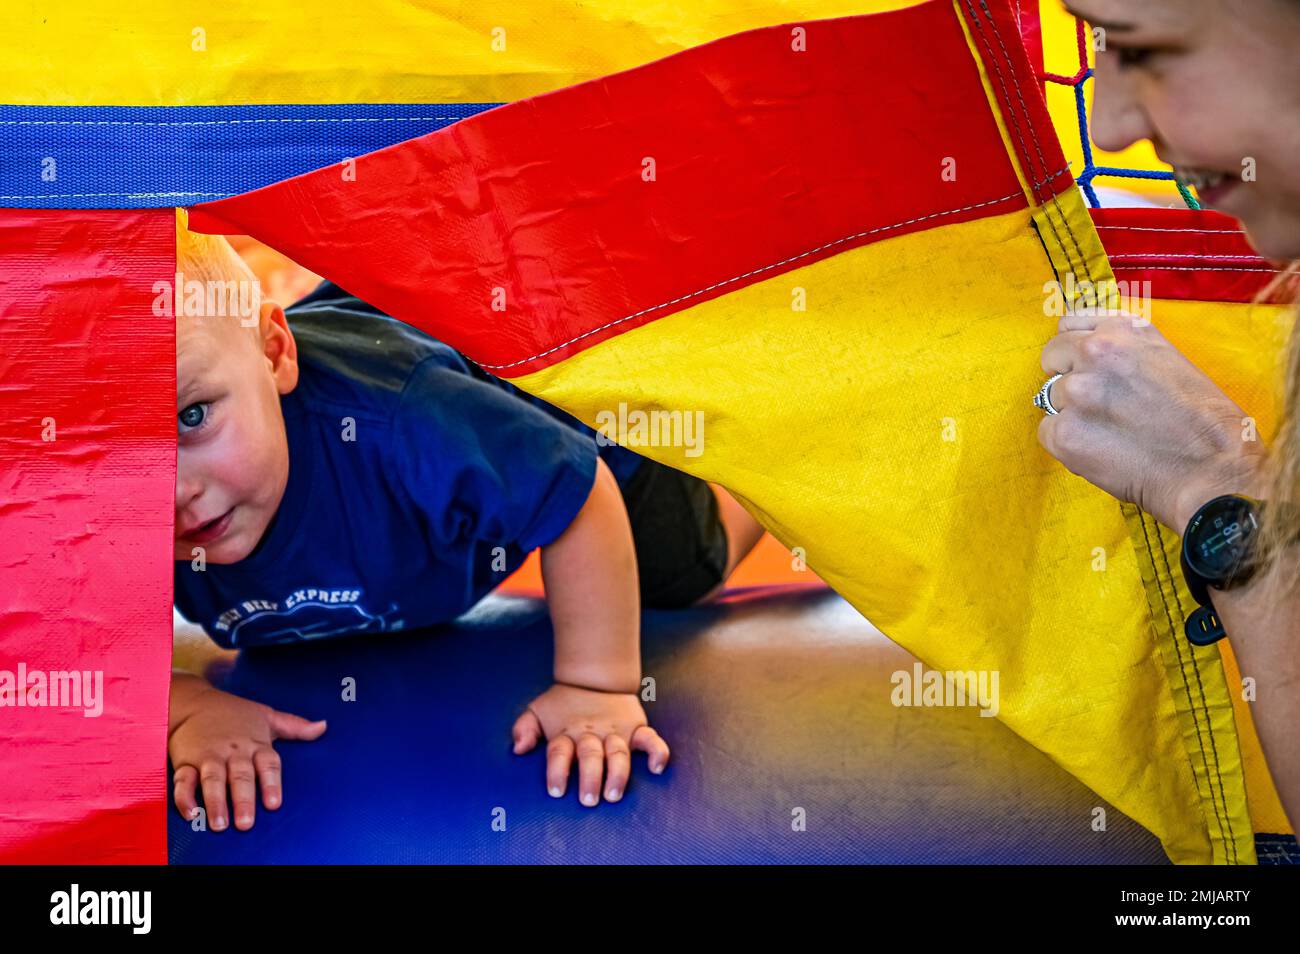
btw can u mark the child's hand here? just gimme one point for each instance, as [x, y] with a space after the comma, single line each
[224, 740]
[600, 727]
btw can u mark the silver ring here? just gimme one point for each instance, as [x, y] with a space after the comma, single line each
[1043, 399]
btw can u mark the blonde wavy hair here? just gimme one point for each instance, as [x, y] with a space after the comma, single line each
[1279, 553]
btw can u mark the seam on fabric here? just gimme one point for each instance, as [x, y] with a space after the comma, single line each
[1047, 216]
[1143, 228]
[223, 122]
[1182, 666]
[1157, 267]
[1225, 258]
[1038, 234]
[1014, 123]
[1200, 686]
[119, 195]
[1053, 176]
[756, 271]
[1033, 136]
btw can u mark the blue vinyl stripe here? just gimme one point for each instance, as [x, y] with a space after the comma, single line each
[131, 157]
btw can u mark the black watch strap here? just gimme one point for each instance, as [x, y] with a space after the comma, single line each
[1203, 627]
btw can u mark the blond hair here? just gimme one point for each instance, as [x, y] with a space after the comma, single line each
[1279, 554]
[226, 286]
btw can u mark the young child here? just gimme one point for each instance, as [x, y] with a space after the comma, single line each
[339, 472]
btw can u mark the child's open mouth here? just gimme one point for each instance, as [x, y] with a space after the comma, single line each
[209, 531]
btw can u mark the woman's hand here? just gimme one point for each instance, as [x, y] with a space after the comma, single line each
[601, 728]
[1142, 422]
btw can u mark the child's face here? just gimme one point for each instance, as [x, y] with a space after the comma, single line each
[1215, 86]
[232, 460]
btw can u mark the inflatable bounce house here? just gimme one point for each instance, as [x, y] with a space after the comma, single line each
[831, 226]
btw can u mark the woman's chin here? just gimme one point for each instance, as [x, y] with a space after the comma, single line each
[1273, 234]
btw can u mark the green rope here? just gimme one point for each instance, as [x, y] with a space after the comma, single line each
[1186, 193]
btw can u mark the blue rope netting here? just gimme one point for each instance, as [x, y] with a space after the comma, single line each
[1090, 169]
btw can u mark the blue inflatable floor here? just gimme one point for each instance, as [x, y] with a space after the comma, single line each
[776, 703]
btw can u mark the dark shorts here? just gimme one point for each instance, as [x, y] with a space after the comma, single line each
[681, 544]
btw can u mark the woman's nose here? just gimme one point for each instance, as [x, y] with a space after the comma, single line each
[1118, 119]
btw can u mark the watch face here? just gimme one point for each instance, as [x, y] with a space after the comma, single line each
[1218, 538]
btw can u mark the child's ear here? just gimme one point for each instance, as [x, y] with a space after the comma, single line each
[279, 347]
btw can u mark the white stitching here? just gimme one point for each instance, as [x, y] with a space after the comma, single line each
[1054, 175]
[120, 195]
[1238, 258]
[219, 122]
[1015, 81]
[1014, 122]
[1033, 137]
[1140, 228]
[169, 195]
[1192, 268]
[756, 271]
[212, 122]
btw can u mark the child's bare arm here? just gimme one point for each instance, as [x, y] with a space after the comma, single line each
[593, 713]
[591, 590]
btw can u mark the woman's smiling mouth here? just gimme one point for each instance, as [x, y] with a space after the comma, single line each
[1210, 187]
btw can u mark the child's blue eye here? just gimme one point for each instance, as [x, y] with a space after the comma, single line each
[192, 417]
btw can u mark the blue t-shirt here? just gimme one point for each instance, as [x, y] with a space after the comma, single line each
[452, 477]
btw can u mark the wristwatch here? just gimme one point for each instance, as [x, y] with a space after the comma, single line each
[1218, 551]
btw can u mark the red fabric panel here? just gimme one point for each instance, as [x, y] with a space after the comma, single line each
[1186, 254]
[995, 30]
[85, 532]
[767, 159]
[1031, 32]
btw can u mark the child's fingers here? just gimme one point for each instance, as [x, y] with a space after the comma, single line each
[285, 725]
[559, 756]
[618, 766]
[243, 790]
[184, 783]
[212, 775]
[646, 739]
[591, 764]
[267, 764]
[527, 732]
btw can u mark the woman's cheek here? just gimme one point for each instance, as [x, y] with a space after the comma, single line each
[1185, 129]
